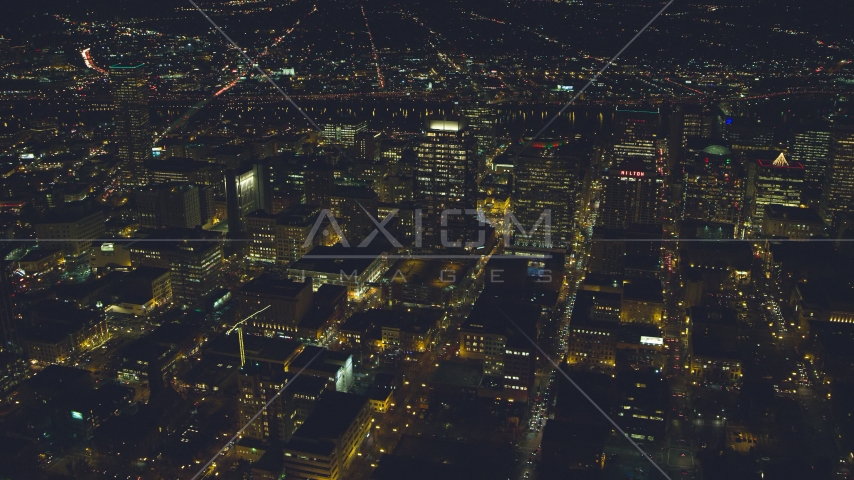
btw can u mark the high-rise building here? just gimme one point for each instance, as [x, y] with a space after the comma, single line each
[745, 134]
[637, 134]
[258, 385]
[133, 130]
[169, 205]
[714, 186]
[74, 227]
[368, 145]
[261, 228]
[838, 191]
[811, 148]
[778, 182]
[483, 120]
[293, 230]
[289, 301]
[195, 264]
[446, 179]
[244, 193]
[631, 195]
[353, 207]
[696, 122]
[546, 182]
[8, 321]
[344, 133]
[328, 440]
[186, 170]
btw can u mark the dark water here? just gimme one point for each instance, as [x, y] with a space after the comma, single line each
[409, 116]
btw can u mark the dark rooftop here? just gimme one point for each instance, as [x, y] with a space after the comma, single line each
[273, 285]
[713, 315]
[794, 214]
[332, 415]
[463, 374]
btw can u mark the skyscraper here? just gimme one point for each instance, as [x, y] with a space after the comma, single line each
[838, 192]
[696, 122]
[482, 120]
[777, 182]
[545, 181]
[133, 130]
[713, 186]
[7, 307]
[631, 195]
[446, 179]
[195, 263]
[344, 133]
[637, 135]
[811, 148]
[169, 205]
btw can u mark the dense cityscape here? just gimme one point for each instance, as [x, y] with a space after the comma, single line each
[518, 239]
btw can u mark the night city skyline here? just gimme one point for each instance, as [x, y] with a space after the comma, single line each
[381, 240]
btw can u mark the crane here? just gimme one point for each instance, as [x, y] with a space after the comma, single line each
[239, 327]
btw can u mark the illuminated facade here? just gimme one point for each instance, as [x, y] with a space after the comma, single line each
[838, 192]
[133, 129]
[631, 195]
[446, 178]
[811, 148]
[637, 135]
[243, 195]
[195, 266]
[714, 186]
[483, 120]
[327, 442]
[777, 182]
[344, 133]
[545, 182]
[74, 231]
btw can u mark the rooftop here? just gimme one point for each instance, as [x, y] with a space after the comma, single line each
[269, 284]
[332, 416]
[793, 214]
[462, 374]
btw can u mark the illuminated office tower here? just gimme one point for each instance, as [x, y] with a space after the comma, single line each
[195, 263]
[545, 181]
[637, 135]
[838, 192]
[811, 148]
[714, 186]
[446, 178]
[696, 122]
[368, 145]
[776, 181]
[245, 192]
[133, 130]
[344, 133]
[631, 195]
[483, 121]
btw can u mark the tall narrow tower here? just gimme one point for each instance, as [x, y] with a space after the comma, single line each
[133, 129]
[446, 179]
[838, 192]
